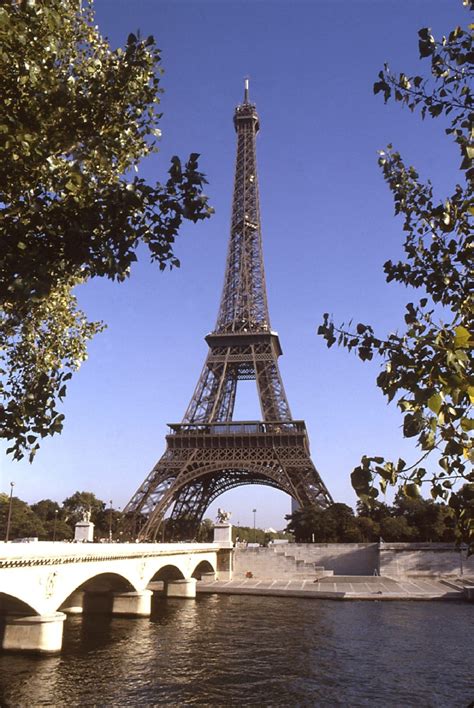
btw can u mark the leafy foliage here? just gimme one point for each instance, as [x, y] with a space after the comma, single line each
[428, 367]
[40, 350]
[247, 534]
[80, 502]
[49, 520]
[408, 520]
[336, 524]
[77, 119]
[206, 531]
[24, 523]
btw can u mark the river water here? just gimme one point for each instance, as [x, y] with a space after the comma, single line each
[256, 651]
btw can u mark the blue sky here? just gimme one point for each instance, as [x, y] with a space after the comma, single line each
[328, 227]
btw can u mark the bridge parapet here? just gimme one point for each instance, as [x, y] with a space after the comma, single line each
[22, 555]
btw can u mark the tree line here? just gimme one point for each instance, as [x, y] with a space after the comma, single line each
[407, 520]
[47, 520]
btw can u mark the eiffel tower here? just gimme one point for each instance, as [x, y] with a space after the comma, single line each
[209, 453]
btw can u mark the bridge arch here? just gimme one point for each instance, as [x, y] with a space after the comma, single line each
[107, 582]
[203, 566]
[11, 605]
[168, 572]
[96, 582]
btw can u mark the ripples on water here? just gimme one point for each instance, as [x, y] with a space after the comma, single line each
[256, 651]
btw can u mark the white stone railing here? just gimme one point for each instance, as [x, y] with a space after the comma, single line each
[16, 555]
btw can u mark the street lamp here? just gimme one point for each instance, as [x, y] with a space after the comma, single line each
[10, 504]
[110, 522]
[254, 530]
[55, 522]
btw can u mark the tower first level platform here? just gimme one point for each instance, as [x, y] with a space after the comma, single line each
[203, 461]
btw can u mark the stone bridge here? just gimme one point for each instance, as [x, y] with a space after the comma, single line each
[40, 583]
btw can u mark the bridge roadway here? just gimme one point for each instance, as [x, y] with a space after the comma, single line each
[40, 583]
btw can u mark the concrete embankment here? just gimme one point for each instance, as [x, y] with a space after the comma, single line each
[350, 571]
[388, 559]
[342, 588]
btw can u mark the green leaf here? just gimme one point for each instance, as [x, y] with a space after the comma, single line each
[411, 426]
[435, 402]
[411, 490]
[462, 338]
[467, 424]
[361, 480]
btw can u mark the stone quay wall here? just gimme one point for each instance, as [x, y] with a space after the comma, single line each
[300, 560]
[424, 559]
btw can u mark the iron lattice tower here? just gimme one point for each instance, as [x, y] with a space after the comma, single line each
[209, 453]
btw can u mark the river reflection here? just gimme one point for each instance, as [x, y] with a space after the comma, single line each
[249, 651]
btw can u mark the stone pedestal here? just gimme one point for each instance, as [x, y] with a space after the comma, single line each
[225, 564]
[132, 604]
[38, 634]
[84, 531]
[181, 588]
[223, 535]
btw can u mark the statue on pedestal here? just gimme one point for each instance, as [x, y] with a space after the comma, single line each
[223, 516]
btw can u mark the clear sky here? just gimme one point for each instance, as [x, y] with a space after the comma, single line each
[328, 227]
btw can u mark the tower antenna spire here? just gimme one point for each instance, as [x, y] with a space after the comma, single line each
[246, 90]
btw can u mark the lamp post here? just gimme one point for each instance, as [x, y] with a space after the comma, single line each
[10, 504]
[254, 529]
[55, 522]
[110, 522]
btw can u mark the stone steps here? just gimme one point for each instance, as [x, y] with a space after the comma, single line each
[267, 564]
[458, 583]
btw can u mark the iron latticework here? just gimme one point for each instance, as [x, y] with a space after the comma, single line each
[209, 453]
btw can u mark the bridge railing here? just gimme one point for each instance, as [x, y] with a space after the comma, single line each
[59, 552]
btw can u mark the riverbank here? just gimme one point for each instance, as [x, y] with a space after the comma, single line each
[344, 588]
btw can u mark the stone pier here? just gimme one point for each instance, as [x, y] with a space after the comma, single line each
[38, 634]
[133, 604]
[181, 588]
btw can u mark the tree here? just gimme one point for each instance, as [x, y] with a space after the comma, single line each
[426, 518]
[24, 523]
[307, 524]
[58, 530]
[397, 529]
[428, 366]
[80, 502]
[206, 531]
[336, 524]
[341, 518]
[368, 528]
[248, 534]
[77, 119]
[46, 509]
[52, 517]
[376, 511]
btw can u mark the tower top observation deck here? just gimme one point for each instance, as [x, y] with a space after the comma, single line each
[246, 115]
